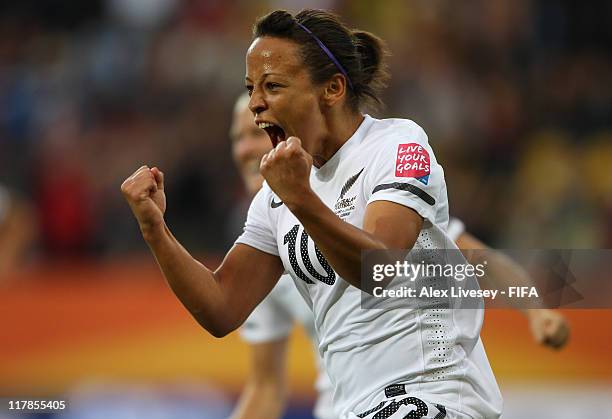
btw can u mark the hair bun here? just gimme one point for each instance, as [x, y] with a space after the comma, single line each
[372, 51]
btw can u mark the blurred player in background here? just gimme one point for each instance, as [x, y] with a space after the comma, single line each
[17, 231]
[268, 328]
[548, 327]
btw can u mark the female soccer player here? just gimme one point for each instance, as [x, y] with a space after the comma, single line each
[375, 185]
[268, 327]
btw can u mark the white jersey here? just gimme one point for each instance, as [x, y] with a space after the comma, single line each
[273, 319]
[436, 355]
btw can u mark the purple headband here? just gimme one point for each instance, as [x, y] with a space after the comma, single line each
[328, 52]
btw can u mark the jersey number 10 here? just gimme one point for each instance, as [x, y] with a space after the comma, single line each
[290, 240]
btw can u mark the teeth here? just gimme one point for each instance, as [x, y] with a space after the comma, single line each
[263, 125]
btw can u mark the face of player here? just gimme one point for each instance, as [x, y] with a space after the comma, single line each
[249, 144]
[283, 98]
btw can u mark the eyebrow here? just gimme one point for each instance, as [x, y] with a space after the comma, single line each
[265, 75]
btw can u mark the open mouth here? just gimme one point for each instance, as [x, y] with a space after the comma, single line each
[276, 133]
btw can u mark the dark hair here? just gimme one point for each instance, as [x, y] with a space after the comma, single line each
[360, 54]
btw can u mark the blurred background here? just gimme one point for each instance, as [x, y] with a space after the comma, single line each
[516, 97]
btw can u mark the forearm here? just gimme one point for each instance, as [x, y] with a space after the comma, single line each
[218, 300]
[340, 242]
[547, 326]
[194, 284]
[502, 272]
[260, 400]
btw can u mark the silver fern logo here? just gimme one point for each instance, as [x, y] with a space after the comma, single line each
[344, 206]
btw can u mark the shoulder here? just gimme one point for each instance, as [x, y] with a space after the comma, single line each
[396, 142]
[261, 209]
[263, 197]
[394, 131]
[265, 191]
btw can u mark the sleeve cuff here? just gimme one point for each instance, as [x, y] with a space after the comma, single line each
[411, 201]
[258, 244]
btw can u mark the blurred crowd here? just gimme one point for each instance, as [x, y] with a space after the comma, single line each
[515, 95]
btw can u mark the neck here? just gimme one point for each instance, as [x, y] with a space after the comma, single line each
[340, 128]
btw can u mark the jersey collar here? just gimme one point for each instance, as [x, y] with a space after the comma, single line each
[328, 170]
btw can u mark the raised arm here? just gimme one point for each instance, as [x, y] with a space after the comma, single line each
[548, 327]
[387, 225]
[219, 300]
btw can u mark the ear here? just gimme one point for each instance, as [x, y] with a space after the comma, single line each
[335, 90]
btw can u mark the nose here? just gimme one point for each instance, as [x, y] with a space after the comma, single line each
[257, 104]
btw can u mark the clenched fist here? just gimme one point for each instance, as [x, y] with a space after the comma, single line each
[548, 327]
[286, 168]
[144, 191]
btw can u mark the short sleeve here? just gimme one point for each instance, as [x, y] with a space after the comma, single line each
[269, 321]
[455, 228]
[404, 170]
[259, 229]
